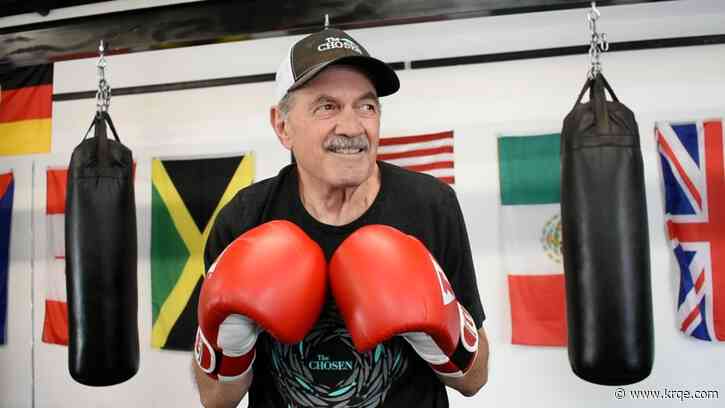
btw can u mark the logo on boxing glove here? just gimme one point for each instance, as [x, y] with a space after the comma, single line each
[203, 353]
[446, 288]
[469, 334]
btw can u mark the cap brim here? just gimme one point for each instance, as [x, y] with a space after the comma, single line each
[384, 78]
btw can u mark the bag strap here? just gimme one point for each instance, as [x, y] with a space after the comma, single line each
[598, 86]
[99, 122]
[598, 99]
[101, 141]
[587, 85]
[110, 123]
[607, 87]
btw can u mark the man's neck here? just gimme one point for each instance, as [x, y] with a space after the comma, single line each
[338, 205]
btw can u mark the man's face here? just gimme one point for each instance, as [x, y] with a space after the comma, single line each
[333, 127]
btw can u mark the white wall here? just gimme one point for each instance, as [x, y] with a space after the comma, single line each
[479, 102]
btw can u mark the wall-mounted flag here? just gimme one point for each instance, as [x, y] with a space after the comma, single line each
[693, 173]
[7, 189]
[187, 194]
[429, 153]
[55, 322]
[529, 174]
[25, 110]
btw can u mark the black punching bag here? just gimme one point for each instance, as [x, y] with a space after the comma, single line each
[605, 242]
[100, 250]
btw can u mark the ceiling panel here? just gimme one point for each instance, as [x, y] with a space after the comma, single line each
[42, 7]
[213, 21]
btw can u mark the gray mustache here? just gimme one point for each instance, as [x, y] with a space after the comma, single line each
[344, 142]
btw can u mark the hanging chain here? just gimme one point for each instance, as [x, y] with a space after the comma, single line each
[598, 43]
[103, 96]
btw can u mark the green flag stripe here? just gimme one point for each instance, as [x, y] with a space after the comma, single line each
[168, 253]
[202, 198]
[529, 169]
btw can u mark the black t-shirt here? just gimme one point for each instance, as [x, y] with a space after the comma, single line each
[325, 370]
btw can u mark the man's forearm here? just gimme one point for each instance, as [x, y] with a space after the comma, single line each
[215, 394]
[477, 375]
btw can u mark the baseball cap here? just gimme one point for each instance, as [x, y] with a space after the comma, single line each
[312, 54]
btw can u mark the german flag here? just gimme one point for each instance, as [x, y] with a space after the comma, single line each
[25, 110]
[186, 197]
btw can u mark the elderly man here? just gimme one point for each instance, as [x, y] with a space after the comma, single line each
[342, 281]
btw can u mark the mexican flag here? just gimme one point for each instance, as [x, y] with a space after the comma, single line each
[529, 173]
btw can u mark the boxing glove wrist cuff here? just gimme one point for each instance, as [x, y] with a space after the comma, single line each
[220, 366]
[456, 362]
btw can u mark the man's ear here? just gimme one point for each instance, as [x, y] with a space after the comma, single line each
[279, 125]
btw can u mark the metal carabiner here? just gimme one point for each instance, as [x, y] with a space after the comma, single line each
[598, 43]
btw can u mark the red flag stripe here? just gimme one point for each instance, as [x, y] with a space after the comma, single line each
[538, 309]
[33, 102]
[690, 318]
[417, 161]
[431, 166]
[680, 170]
[55, 196]
[700, 282]
[416, 153]
[5, 180]
[415, 139]
[55, 326]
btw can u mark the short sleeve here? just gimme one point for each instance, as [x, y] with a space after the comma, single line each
[457, 257]
[227, 227]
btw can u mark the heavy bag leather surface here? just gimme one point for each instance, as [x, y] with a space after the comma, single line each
[605, 242]
[101, 257]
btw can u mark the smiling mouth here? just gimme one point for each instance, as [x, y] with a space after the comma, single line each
[347, 150]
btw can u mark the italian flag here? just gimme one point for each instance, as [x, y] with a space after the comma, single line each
[530, 219]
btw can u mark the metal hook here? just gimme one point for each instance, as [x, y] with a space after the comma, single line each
[594, 13]
[103, 96]
[101, 61]
[598, 43]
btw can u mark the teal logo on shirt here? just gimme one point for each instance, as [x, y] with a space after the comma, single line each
[326, 370]
[323, 362]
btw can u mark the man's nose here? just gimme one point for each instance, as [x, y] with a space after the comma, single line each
[348, 123]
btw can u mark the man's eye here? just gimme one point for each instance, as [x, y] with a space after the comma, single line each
[326, 107]
[369, 107]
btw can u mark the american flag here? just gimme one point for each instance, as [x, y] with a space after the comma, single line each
[693, 173]
[430, 153]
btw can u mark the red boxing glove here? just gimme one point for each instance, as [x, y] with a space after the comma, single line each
[271, 278]
[386, 283]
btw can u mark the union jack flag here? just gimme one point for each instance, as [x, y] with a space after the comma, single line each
[693, 173]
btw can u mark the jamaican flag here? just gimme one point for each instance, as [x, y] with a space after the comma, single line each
[187, 195]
